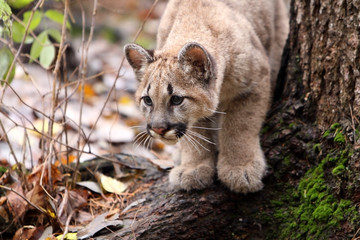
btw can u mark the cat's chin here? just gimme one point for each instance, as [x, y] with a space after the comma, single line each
[169, 141]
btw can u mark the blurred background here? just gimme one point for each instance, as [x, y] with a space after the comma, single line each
[87, 82]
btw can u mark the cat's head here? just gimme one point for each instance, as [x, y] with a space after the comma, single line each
[174, 92]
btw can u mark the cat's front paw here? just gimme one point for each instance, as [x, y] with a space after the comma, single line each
[242, 179]
[189, 178]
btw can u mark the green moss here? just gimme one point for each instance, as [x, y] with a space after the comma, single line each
[317, 147]
[313, 212]
[339, 138]
[338, 170]
[335, 126]
[336, 131]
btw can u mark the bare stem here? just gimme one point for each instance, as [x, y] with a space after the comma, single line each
[23, 197]
[40, 2]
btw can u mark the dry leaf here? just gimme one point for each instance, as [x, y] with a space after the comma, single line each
[88, 90]
[93, 186]
[97, 224]
[64, 160]
[163, 164]
[43, 127]
[16, 204]
[111, 184]
[46, 233]
[28, 232]
[71, 200]
[68, 236]
[35, 176]
[4, 215]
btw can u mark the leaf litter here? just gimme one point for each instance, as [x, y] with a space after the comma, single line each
[38, 197]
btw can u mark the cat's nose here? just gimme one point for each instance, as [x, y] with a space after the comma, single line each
[160, 130]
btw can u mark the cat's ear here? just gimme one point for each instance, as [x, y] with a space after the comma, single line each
[196, 61]
[138, 57]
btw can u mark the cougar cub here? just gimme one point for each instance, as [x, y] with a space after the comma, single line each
[208, 86]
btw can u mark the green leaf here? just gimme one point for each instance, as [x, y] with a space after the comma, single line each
[55, 34]
[7, 58]
[19, 3]
[57, 17]
[47, 55]
[35, 21]
[5, 13]
[38, 45]
[18, 32]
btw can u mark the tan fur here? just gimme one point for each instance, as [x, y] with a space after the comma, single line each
[223, 57]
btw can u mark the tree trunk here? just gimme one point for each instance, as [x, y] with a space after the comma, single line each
[310, 140]
[324, 45]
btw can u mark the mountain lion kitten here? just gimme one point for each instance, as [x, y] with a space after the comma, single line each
[208, 86]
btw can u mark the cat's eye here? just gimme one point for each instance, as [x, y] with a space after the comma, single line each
[147, 100]
[176, 100]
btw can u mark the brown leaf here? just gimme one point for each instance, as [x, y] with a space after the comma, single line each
[35, 176]
[28, 232]
[4, 215]
[71, 200]
[16, 204]
[37, 196]
[98, 223]
[83, 217]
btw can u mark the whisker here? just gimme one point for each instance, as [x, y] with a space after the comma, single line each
[139, 136]
[194, 139]
[213, 129]
[195, 134]
[143, 138]
[137, 127]
[191, 142]
[210, 119]
[214, 111]
[147, 143]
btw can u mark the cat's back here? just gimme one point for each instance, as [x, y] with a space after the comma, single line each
[190, 17]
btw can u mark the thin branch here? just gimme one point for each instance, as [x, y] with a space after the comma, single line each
[8, 142]
[40, 2]
[83, 72]
[68, 223]
[23, 197]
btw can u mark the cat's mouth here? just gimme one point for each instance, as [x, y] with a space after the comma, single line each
[169, 135]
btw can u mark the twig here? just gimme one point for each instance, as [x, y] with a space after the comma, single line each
[40, 2]
[355, 235]
[116, 78]
[83, 71]
[23, 197]
[68, 219]
[8, 142]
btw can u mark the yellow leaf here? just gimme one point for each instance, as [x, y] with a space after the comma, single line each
[68, 236]
[42, 126]
[111, 184]
[64, 160]
[88, 90]
[126, 100]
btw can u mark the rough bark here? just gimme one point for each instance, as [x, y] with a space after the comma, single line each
[324, 42]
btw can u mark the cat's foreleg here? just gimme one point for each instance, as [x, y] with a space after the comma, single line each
[197, 166]
[241, 163]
